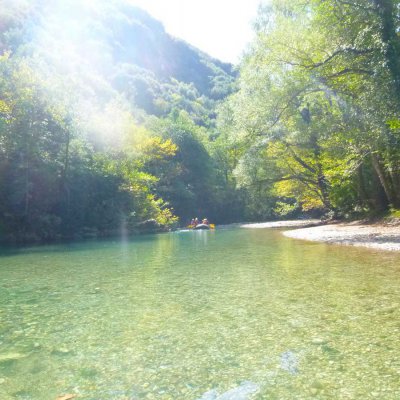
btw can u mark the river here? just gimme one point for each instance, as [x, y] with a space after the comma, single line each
[227, 314]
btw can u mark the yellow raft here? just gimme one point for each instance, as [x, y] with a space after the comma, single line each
[201, 227]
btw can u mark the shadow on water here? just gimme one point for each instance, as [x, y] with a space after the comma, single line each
[84, 244]
[76, 245]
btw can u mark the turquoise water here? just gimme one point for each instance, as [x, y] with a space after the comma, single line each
[235, 313]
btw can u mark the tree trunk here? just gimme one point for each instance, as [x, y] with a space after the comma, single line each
[395, 178]
[324, 190]
[27, 190]
[387, 13]
[385, 182]
[370, 189]
[362, 190]
[323, 184]
[64, 186]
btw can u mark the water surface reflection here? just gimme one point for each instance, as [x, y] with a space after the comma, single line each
[182, 315]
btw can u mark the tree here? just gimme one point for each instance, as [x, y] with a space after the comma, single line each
[317, 89]
[188, 181]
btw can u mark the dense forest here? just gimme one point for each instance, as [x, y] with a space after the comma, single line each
[107, 122]
[318, 106]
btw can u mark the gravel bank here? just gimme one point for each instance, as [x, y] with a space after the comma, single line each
[284, 224]
[375, 236]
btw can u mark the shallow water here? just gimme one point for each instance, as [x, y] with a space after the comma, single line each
[191, 315]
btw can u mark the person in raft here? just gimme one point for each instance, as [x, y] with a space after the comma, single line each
[196, 221]
[205, 221]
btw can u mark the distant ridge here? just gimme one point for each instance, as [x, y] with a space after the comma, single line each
[154, 70]
[142, 40]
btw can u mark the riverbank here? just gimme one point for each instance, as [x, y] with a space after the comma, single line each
[379, 236]
[301, 223]
[382, 235]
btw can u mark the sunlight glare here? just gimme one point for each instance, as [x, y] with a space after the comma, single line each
[220, 28]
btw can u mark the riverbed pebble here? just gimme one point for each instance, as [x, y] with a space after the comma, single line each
[319, 341]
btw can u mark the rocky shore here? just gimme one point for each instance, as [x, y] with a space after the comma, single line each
[379, 236]
[303, 223]
[383, 235]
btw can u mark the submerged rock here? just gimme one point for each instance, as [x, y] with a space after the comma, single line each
[67, 397]
[61, 352]
[11, 356]
[241, 392]
[289, 362]
[210, 395]
[318, 341]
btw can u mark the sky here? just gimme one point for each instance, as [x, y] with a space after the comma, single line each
[221, 28]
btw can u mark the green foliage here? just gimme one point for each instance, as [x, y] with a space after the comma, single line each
[394, 213]
[285, 209]
[53, 181]
[75, 156]
[92, 145]
[188, 182]
[318, 98]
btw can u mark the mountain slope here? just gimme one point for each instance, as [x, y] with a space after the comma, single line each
[141, 40]
[123, 45]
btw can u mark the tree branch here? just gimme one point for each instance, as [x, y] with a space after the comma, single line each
[286, 178]
[349, 71]
[299, 160]
[356, 5]
[336, 53]
[287, 105]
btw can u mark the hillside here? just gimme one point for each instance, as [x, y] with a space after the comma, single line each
[106, 122]
[125, 45]
[141, 40]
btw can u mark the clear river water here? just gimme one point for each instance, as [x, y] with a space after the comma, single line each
[231, 314]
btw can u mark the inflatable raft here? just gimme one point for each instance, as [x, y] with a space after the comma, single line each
[203, 227]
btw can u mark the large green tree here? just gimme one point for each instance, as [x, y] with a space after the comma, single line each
[61, 176]
[318, 90]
